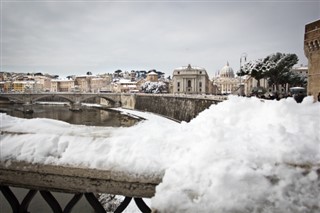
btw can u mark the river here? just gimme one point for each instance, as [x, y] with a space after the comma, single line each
[89, 115]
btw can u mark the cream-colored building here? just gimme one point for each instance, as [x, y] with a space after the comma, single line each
[83, 83]
[42, 83]
[98, 84]
[152, 76]
[191, 80]
[124, 86]
[250, 83]
[301, 71]
[226, 82]
[62, 85]
[23, 86]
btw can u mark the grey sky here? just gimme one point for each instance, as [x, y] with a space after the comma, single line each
[73, 37]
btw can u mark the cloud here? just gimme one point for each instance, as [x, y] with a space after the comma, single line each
[103, 36]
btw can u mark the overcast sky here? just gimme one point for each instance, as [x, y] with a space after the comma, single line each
[74, 37]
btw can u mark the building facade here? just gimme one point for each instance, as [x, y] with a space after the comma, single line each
[226, 82]
[312, 52]
[152, 76]
[190, 80]
[62, 86]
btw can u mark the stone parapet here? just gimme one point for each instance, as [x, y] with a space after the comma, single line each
[70, 179]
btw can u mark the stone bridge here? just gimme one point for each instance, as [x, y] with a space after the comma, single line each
[179, 107]
[75, 99]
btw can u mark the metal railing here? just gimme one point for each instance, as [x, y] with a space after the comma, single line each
[56, 207]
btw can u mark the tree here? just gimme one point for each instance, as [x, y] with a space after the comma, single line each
[275, 67]
[294, 80]
[117, 73]
[153, 87]
[255, 69]
[281, 64]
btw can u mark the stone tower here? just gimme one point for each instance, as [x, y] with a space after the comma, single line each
[312, 52]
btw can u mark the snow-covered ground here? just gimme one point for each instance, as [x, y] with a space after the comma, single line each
[242, 155]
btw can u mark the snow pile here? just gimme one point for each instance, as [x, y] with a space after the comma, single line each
[242, 155]
[135, 149]
[247, 156]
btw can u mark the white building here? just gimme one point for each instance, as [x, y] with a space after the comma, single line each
[226, 82]
[302, 71]
[124, 86]
[191, 80]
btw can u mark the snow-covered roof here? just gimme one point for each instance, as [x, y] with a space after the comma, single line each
[152, 73]
[62, 80]
[83, 76]
[300, 68]
[126, 81]
[23, 82]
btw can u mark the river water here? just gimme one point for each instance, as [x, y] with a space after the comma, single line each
[90, 116]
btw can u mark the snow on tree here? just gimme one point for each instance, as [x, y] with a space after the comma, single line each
[153, 87]
[281, 66]
[275, 67]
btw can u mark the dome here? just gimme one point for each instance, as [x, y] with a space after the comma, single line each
[227, 71]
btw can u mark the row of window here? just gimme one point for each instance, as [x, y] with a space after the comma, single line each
[189, 84]
[189, 90]
[199, 72]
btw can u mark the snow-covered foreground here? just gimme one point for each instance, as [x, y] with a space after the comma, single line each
[242, 155]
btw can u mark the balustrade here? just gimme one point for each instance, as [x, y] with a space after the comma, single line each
[81, 182]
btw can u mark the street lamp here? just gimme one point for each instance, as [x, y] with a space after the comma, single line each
[242, 56]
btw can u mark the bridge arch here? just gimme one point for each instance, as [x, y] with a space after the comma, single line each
[113, 101]
[14, 99]
[51, 96]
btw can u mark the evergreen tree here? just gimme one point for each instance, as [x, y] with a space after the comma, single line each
[275, 67]
[281, 64]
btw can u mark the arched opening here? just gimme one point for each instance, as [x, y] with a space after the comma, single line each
[189, 83]
[52, 98]
[107, 102]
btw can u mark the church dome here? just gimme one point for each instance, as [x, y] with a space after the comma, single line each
[227, 71]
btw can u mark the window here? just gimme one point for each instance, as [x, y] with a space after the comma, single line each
[189, 83]
[200, 72]
[178, 73]
[200, 84]
[178, 90]
[178, 84]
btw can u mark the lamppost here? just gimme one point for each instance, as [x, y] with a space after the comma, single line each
[242, 56]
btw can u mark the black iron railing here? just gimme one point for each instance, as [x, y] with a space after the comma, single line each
[91, 198]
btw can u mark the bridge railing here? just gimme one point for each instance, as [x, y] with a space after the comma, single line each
[78, 181]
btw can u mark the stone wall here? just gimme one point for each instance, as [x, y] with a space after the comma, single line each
[128, 101]
[179, 108]
[312, 52]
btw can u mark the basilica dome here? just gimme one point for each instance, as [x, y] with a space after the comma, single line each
[227, 71]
